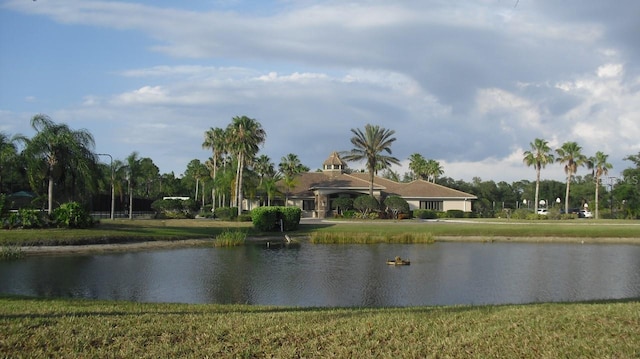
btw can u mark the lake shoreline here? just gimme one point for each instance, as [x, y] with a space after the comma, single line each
[190, 243]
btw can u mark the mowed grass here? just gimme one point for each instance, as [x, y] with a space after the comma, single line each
[405, 231]
[32, 328]
[122, 231]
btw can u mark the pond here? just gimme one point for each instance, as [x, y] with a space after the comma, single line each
[444, 273]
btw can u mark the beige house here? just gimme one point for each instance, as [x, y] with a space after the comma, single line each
[315, 191]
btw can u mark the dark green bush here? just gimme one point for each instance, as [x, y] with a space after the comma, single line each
[291, 217]
[267, 219]
[425, 214]
[72, 215]
[454, 213]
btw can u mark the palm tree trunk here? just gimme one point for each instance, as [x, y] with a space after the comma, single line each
[371, 183]
[566, 195]
[535, 206]
[50, 195]
[130, 201]
[240, 168]
[596, 199]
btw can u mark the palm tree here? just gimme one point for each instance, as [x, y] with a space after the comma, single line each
[418, 165]
[434, 170]
[600, 168]
[538, 156]
[290, 166]
[245, 135]
[263, 166]
[58, 151]
[215, 139]
[570, 154]
[368, 146]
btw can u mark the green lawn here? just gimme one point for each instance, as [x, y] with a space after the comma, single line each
[32, 328]
[120, 231]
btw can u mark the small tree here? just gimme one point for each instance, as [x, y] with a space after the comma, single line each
[366, 204]
[342, 204]
[396, 205]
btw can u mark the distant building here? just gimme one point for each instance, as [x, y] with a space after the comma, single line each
[315, 191]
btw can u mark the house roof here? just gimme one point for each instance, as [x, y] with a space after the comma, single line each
[306, 183]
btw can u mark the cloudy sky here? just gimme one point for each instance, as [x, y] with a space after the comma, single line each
[468, 83]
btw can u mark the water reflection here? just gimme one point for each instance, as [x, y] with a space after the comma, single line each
[338, 275]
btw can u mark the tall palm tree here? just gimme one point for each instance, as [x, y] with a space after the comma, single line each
[215, 139]
[434, 170]
[245, 135]
[58, 151]
[600, 168]
[290, 166]
[538, 156]
[263, 166]
[369, 146]
[571, 155]
[418, 166]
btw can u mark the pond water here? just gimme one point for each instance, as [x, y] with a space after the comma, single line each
[444, 273]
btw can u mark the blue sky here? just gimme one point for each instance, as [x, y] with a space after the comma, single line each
[467, 83]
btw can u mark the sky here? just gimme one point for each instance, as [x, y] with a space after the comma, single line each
[467, 83]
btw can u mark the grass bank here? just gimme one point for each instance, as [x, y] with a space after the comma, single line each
[80, 328]
[406, 231]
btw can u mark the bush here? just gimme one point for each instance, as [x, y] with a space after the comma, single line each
[72, 215]
[291, 217]
[425, 214]
[174, 208]
[454, 213]
[226, 213]
[267, 219]
[26, 218]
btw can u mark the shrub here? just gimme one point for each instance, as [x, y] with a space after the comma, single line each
[396, 205]
[454, 213]
[291, 217]
[26, 218]
[425, 214]
[349, 214]
[72, 215]
[267, 219]
[226, 213]
[174, 208]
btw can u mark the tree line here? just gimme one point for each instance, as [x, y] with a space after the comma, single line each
[59, 164]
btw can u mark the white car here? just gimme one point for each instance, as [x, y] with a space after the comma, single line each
[543, 211]
[585, 214]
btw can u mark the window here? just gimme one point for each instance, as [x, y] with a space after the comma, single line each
[432, 205]
[308, 205]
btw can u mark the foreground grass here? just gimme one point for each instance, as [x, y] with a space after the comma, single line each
[79, 328]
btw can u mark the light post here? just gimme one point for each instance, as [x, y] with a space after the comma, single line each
[113, 198]
[558, 200]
